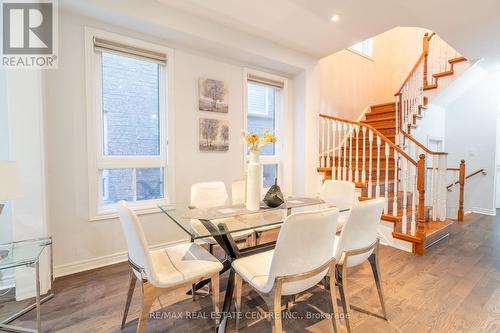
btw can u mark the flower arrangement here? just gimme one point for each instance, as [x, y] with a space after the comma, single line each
[256, 142]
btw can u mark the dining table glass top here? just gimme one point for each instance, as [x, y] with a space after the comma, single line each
[201, 223]
[22, 253]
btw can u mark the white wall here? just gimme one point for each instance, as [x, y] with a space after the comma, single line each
[80, 244]
[24, 107]
[350, 82]
[471, 134]
[432, 125]
[6, 216]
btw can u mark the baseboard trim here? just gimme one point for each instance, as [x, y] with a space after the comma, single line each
[110, 259]
[484, 211]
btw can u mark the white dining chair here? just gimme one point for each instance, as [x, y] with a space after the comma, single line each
[238, 195]
[301, 258]
[238, 192]
[209, 195]
[341, 194]
[165, 270]
[357, 243]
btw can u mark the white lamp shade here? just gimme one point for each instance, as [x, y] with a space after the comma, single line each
[10, 181]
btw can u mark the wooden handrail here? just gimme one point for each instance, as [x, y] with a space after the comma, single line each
[382, 137]
[448, 169]
[483, 171]
[424, 148]
[423, 55]
[411, 73]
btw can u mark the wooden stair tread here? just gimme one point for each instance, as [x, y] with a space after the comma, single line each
[380, 113]
[388, 118]
[430, 86]
[455, 60]
[382, 105]
[383, 127]
[442, 74]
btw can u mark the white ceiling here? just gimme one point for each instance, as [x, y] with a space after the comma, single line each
[472, 27]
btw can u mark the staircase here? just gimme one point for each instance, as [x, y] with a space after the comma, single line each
[382, 158]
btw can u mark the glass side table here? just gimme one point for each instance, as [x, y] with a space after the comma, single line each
[26, 253]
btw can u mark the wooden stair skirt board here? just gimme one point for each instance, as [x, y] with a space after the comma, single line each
[435, 231]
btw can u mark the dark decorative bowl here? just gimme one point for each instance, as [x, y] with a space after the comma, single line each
[274, 197]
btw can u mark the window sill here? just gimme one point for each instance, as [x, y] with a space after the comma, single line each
[110, 213]
[362, 55]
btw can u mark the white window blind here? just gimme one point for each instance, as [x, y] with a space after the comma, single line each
[102, 45]
[264, 80]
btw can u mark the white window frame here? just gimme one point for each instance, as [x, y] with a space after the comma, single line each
[282, 117]
[96, 159]
[367, 44]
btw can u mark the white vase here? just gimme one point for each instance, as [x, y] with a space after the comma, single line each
[254, 181]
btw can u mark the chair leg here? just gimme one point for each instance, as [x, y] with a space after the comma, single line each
[130, 293]
[258, 236]
[276, 320]
[373, 259]
[238, 286]
[334, 300]
[251, 240]
[149, 296]
[214, 286]
[342, 284]
[193, 292]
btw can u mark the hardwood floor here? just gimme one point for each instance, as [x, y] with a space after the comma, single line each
[455, 288]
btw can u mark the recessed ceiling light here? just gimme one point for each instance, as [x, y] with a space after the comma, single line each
[335, 18]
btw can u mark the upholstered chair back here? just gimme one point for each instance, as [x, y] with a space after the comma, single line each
[340, 193]
[361, 230]
[238, 189]
[207, 195]
[137, 245]
[305, 242]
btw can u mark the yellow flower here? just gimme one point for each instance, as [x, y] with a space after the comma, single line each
[269, 137]
[252, 138]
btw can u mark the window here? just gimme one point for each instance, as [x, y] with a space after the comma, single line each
[364, 48]
[265, 96]
[127, 132]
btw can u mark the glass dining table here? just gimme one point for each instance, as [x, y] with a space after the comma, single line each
[220, 222]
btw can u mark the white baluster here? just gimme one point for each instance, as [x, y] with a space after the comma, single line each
[404, 179]
[356, 171]
[396, 180]
[410, 99]
[344, 168]
[421, 84]
[377, 188]
[339, 158]
[322, 142]
[442, 165]
[386, 184]
[397, 119]
[435, 190]
[363, 171]
[370, 142]
[414, 201]
[334, 128]
[430, 60]
[328, 144]
[351, 169]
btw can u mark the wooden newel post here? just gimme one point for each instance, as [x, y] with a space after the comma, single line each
[420, 232]
[461, 179]
[425, 48]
